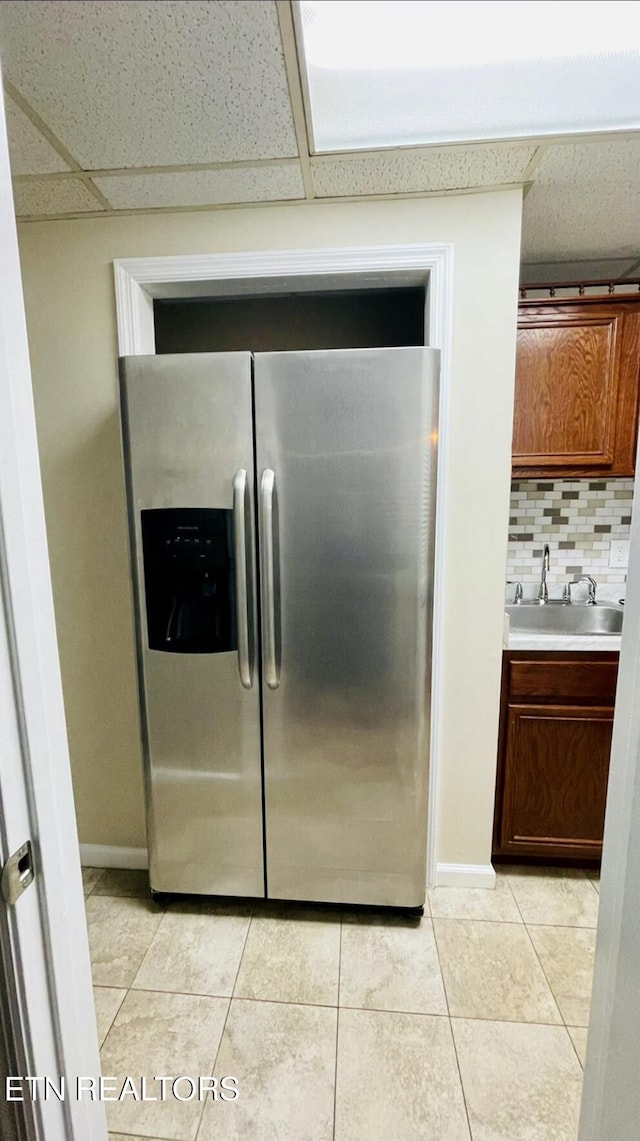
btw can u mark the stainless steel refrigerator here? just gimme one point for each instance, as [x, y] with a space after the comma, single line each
[281, 510]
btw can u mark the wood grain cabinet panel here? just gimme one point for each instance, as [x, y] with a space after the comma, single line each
[557, 766]
[565, 677]
[576, 388]
[556, 724]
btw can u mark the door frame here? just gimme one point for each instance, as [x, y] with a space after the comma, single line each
[43, 935]
[138, 281]
[611, 1095]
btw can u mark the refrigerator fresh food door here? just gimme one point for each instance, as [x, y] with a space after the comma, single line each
[188, 441]
[346, 457]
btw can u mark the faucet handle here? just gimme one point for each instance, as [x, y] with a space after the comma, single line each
[517, 594]
[591, 583]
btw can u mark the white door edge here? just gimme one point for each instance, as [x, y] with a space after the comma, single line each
[48, 928]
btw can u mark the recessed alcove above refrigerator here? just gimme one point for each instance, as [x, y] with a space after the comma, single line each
[292, 322]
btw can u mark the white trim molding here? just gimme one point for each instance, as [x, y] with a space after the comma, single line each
[111, 856]
[465, 875]
[46, 967]
[139, 280]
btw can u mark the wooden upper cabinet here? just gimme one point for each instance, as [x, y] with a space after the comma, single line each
[576, 393]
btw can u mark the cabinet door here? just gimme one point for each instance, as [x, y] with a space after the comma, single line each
[576, 389]
[556, 767]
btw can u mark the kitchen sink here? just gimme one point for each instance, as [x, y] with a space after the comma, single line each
[565, 619]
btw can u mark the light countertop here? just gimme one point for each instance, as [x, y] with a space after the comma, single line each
[565, 642]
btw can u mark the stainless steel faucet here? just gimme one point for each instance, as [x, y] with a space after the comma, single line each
[543, 593]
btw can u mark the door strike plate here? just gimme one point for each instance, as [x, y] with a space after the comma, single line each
[17, 873]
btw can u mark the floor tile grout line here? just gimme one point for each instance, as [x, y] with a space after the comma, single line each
[244, 947]
[240, 998]
[511, 922]
[340, 963]
[554, 926]
[151, 942]
[439, 960]
[226, 1019]
[512, 894]
[462, 1089]
[510, 1021]
[475, 919]
[575, 1048]
[349, 1006]
[544, 973]
[136, 1137]
[93, 885]
[581, 877]
[213, 1067]
[455, 1049]
[116, 1013]
[335, 1068]
[127, 991]
[479, 919]
[567, 926]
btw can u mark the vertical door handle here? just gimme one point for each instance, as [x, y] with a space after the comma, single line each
[240, 558]
[267, 487]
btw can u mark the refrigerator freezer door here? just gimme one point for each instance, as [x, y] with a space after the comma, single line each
[188, 439]
[346, 461]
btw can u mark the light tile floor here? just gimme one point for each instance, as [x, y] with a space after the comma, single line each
[349, 1027]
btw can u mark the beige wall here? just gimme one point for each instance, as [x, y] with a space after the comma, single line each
[68, 283]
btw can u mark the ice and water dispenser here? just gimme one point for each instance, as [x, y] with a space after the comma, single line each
[189, 580]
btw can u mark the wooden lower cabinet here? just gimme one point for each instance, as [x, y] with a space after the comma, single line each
[553, 754]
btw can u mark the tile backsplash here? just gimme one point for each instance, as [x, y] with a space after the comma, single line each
[577, 518]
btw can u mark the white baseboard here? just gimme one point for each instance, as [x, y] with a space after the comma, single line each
[110, 856]
[465, 875]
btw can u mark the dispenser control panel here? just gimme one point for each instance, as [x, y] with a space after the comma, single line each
[189, 579]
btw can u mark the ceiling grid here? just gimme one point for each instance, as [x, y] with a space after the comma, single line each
[203, 104]
[292, 65]
[54, 143]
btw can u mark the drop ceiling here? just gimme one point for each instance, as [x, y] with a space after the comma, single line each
[136, 105]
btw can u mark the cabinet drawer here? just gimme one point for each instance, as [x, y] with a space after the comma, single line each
[531, 680]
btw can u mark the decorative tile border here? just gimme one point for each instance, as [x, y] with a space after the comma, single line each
[577, 518]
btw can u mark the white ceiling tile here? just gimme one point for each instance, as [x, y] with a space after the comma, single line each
[598, 270]
[29, 151]
[203, 187]
[439, 168]
[52, 196]
[584, 202]
[153, 84]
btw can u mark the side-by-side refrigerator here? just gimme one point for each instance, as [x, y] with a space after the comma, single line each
[282, 510]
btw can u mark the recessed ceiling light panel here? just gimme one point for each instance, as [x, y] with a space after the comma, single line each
[389, 73]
